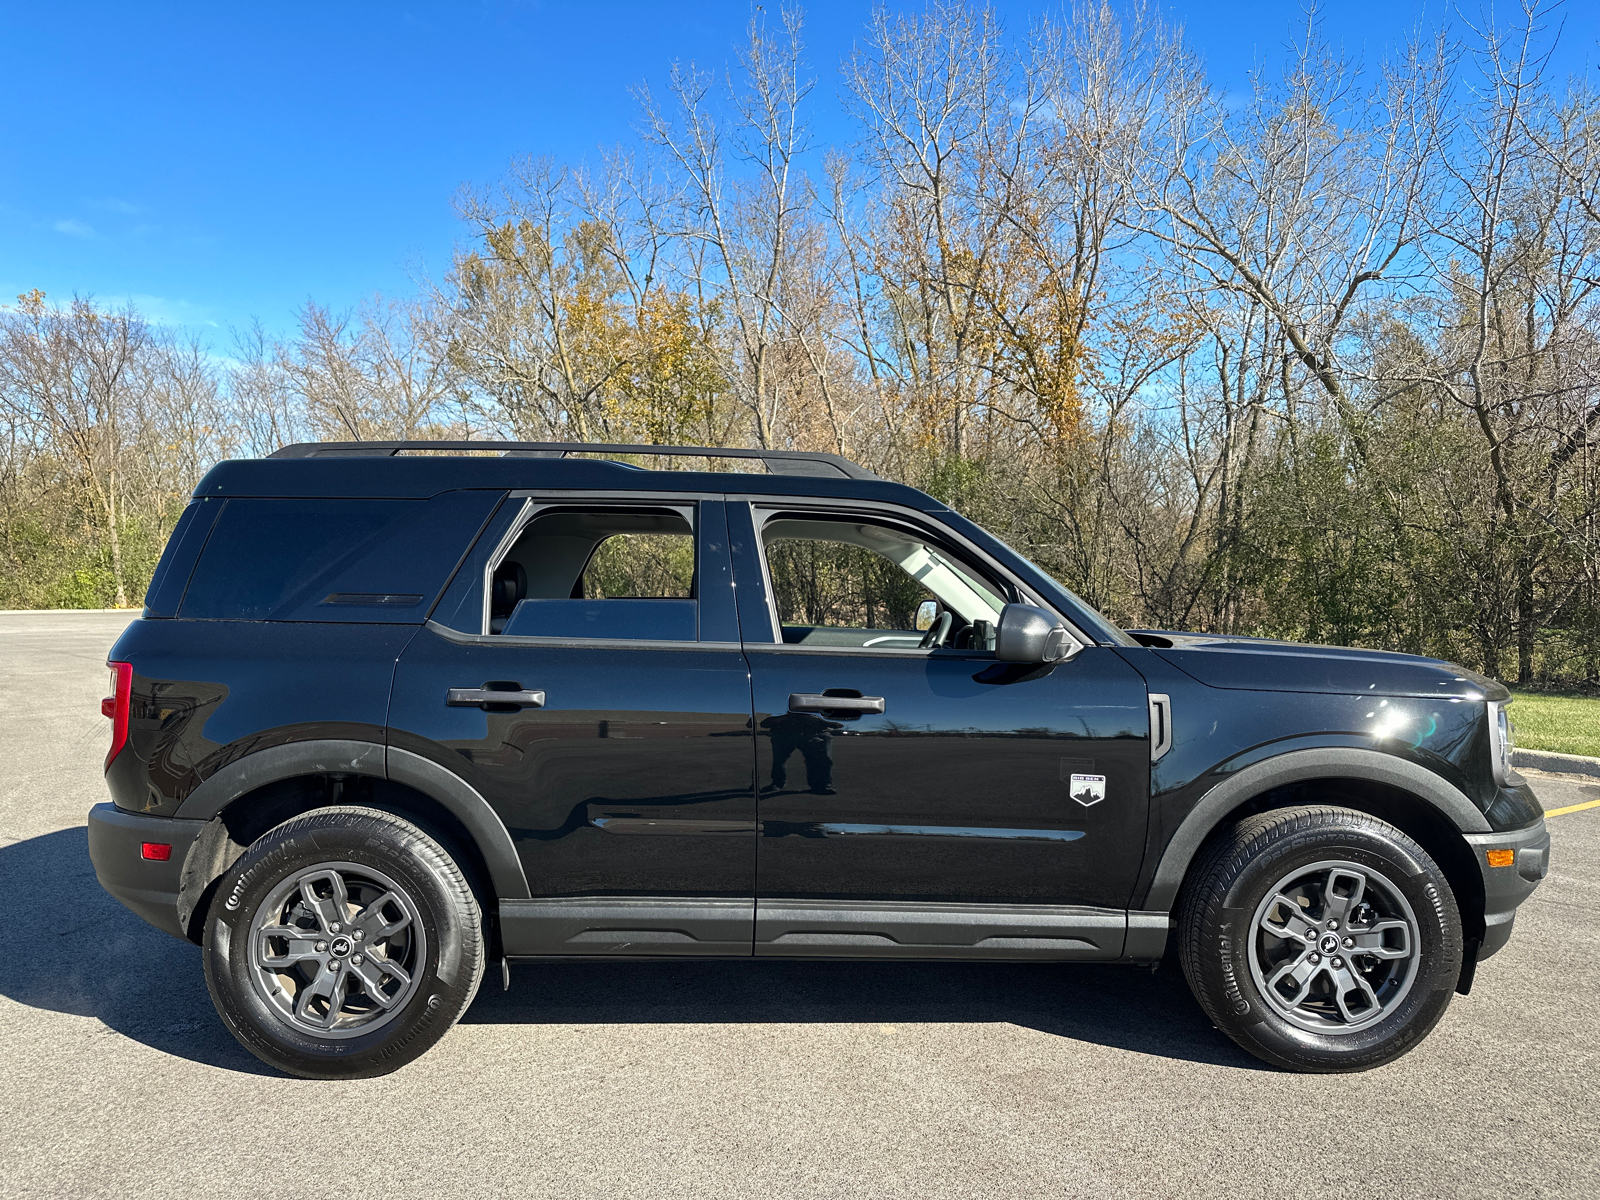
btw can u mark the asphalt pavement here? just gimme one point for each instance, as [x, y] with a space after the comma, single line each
[742, 1079]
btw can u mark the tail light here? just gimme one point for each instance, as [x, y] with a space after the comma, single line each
[115, 706]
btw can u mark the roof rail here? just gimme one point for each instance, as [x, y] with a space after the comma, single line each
[778, 462]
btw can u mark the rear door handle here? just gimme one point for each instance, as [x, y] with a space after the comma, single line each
[814, 702]
[483, 697]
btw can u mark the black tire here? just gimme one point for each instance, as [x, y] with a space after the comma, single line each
[1236, 936]
[393, 880]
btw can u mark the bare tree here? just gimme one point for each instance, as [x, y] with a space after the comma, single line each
[67, 376]
[751, 228]
[383, 372]
[108, 418]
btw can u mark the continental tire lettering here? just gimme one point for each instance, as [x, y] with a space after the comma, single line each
[1225, 950]
[1437, 901]
[423, 1023]
[243, 880]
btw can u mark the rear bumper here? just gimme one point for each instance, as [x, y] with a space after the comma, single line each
[1504, 888]
[148, 888]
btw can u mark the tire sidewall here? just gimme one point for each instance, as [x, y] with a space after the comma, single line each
[448, 979]
[1251, 1018]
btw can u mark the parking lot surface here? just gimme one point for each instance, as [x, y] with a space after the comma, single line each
[742, 1079]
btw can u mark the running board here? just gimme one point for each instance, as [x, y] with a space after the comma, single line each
[899, 929]
[701, 927]
[618, 926]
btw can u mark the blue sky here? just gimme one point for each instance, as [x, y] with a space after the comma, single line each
[218, 162]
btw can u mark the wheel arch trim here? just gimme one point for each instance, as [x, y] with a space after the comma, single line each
[473, 811]
[332, 756]
[1297, 766]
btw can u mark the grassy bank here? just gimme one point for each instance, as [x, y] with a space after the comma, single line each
[1563, 722]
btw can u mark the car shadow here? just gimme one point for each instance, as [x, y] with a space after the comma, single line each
[69, 947]
[1129, 1008]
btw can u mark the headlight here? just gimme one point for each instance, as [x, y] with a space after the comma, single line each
[1502, 741]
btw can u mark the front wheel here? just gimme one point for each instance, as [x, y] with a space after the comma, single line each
[344, 944]
[1320, 939]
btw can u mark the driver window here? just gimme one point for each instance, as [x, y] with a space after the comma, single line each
[856, 583]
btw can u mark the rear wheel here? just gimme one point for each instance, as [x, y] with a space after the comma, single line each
[344, 944]
[1320, 939]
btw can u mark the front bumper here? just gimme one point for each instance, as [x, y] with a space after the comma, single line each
[148, 888]
[1506, 887]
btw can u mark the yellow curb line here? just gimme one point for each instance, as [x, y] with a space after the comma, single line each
[1557, 812]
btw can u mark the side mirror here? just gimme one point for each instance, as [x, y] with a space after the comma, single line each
[1027, 634]
[927, 614]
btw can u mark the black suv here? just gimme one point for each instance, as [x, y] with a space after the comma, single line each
[392, 718]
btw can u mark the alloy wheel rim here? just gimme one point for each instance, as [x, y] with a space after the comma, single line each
[337, 949]
[1334, 947]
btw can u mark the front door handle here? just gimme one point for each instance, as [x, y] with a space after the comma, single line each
[813, 702]
[485, 697]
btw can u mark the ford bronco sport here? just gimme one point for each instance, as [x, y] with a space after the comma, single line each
[392, 719]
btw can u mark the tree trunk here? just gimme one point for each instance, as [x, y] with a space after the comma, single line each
[116, 542]
[1527, 618]
[1491, 657]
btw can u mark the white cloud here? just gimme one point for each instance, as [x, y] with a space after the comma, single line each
[73, 228]
[159, 310]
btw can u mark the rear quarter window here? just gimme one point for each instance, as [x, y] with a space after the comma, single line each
[172, 573]
[333, 560]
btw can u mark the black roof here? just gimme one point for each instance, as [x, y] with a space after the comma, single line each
[377, 469]
[778, 462]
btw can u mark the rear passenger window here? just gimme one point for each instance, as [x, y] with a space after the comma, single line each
[641, 566]
[624, 573]
[333, 560]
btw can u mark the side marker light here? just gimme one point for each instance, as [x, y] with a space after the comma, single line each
[162, 851]
[1502, 858]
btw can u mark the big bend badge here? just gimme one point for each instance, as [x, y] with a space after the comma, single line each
[1088, 790]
